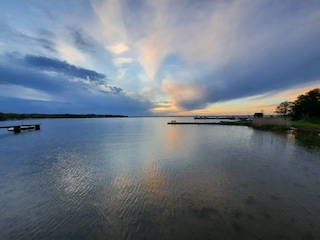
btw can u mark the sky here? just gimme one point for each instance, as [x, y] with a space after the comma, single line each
[157, 57]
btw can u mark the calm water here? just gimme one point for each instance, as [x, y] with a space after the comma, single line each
[139, 178]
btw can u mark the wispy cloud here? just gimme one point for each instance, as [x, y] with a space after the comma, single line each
[80, 42]
[121, 61]
[16, 91]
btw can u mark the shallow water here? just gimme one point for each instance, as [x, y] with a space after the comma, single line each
[139, 178]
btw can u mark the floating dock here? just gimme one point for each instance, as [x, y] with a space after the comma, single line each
[19, 128]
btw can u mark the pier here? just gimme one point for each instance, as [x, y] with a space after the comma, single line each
[236, 123]
[19, 128]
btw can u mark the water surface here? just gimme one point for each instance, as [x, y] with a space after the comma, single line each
[139, 178]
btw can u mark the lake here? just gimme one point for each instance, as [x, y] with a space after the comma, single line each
[139, 178]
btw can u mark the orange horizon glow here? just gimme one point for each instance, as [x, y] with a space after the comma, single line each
[244, 106]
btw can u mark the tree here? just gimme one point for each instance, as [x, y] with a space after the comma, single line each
[2, 116]
[307, 106]
[284, 108]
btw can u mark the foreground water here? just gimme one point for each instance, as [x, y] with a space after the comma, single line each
[139, 178]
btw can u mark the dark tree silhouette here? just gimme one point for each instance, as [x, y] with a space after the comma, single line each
[285, 108]
[307, 106]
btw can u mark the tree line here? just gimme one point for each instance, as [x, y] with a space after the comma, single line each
[9, 116]
[304, 107]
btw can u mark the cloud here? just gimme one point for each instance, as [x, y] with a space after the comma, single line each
[153, 49]
[110, 28]
[55, 65]
[48, 85]
[180, 92]
[237, 49]
[122, 73]
[14, 39]
[191, 54]
[20, 92]
[80, 42]
[121, 61]
[118, 48]
[71, 53]
[93, 79]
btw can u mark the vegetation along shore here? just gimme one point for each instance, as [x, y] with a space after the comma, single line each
[302, 117]
[20, 116]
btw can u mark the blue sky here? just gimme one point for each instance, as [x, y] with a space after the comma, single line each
[150, 57]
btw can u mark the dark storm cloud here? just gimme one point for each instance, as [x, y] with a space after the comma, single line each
[64, 96]
[55, 65]
[17, 75]
[264, 77]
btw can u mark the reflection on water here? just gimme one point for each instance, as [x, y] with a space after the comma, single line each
[140, 178]
[308, 139]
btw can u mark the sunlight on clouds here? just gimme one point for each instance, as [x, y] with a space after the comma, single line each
[247, 106]
[211, 37]
[179, 91]
[175, 92]
[292, 94]
[118, 48]
[169, 108]
[16, 91]
[72, 55]
[153, 49]
[266, 103]
[110, 30]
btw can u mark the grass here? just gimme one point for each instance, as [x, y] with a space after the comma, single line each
[308, 131]
[309, 124]
[308, 140]
[274, 123]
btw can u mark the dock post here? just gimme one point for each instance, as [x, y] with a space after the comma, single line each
[17, 129]
[37, 126]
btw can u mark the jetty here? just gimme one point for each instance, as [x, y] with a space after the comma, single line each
[19, 128]
[237, 123]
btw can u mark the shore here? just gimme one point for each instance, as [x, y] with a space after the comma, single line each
[305, 132]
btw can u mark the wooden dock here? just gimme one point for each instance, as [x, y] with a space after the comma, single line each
[21, 127]
[233, 123]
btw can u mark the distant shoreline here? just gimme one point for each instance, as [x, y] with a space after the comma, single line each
[20, 116]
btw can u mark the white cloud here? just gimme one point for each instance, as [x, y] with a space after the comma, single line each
[72, 55]
[118, 48]
[121, 61]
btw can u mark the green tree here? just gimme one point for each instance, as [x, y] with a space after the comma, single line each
[307, 106]
[284, 109]
[2, 116]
